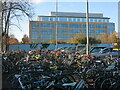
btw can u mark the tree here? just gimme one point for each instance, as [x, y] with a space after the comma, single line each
[76, 39]
[112, 38]
[12, 39]
[103, 38]
[91, 41]
[25, 39]
[52, 42]
[109, 39]
[10, 11]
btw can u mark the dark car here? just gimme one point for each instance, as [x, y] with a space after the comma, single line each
[107, 52]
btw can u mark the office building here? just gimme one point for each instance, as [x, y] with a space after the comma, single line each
[68, 25]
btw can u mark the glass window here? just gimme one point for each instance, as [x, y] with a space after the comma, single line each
[95, 20]
[62, 31]
[35, 25]
[98, 26]
[91, 26]
[34, 36]
[83, 20]
[61, 25]
[75, 26]
[107, 20]
[84, 31]
[47, 36]
[91, 31]
[83, 25]
[39, 18]
[99, 20]
[103, 20]
[63, 19]
[46, 25]
[101, 31]
[69, 19]
[91, 36]
[74, 19]
[71, 36]
[52, 19]
[45, 18]
[62, 36]
[91, 20]
[34, 31]
[78, 20]
[74, 31]
[47, 31]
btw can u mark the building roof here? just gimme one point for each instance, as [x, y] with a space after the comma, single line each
[75, 15]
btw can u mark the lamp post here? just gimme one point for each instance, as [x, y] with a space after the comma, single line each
[56, 22]
[87, 28]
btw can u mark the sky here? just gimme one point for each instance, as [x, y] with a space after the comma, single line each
[43, 7]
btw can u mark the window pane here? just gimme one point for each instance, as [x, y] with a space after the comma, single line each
[91, 26]
[83, 20]
[34, 37]
[63, 19]
[98, 26]
[69, 19]
[46, 25]
[60, 25]
[83, 31]
[83, 25]
[34, 31]
[75, 26]
[47, 31]
[73, 31]
[101, 31]
[62, 37]
[78, 19]
[52, 19]
[47, 36]
[91, 32]
[45, 18]
[74, 19]
[62, 31]
[35, 25]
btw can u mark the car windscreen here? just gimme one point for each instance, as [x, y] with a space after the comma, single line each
[93, 50]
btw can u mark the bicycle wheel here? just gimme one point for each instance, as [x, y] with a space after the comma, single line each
[115, 86]
[91, 75]
[107, 83]
[14, 83]
[98, 82]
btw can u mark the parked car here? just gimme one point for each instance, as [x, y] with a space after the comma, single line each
[91, 50]
[69, 50]
[96, 49]
[107, 52]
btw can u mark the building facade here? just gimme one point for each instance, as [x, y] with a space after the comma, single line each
[67, 25]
